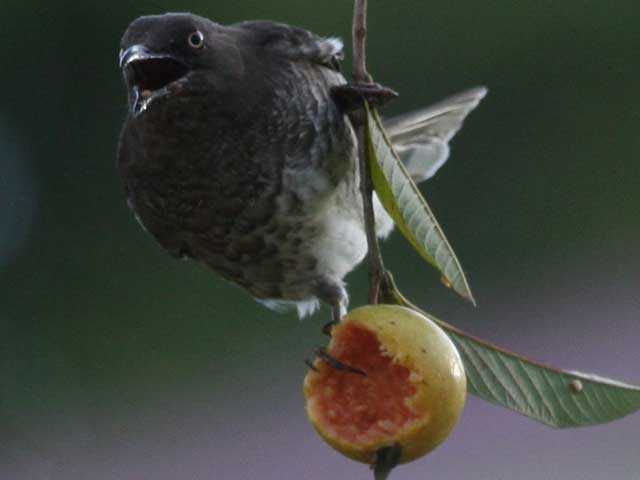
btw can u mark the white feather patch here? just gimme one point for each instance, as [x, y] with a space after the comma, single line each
[336, 45]
[305, 308]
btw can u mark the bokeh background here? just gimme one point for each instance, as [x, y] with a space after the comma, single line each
[117, 362]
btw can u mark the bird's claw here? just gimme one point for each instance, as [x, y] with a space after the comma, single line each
[351, 96]
[309, 363]
[335, 363]
[328, 327]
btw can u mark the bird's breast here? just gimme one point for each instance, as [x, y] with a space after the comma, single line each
[258, 202]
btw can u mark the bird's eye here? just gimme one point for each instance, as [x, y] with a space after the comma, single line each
[196, 39]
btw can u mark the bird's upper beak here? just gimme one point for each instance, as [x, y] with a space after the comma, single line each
[148, 74]
[133, 53]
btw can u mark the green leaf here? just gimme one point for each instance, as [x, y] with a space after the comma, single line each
[401, 198]
[554, 397]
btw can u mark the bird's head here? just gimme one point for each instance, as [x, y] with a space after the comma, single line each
[176, 55]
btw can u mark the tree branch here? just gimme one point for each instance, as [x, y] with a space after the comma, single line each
[359, 119]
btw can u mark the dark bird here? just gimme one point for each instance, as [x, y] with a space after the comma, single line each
[238, 151]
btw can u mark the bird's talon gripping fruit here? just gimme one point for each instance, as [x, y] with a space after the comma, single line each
[411, 396]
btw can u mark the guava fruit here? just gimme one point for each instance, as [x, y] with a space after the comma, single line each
[405, 384]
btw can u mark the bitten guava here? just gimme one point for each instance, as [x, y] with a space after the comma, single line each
[410, 391]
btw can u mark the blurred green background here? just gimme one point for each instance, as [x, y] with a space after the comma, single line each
[117, 362]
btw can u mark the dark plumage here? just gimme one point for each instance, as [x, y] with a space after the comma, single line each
[235, 153]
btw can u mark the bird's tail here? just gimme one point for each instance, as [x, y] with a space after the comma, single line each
[421, 138]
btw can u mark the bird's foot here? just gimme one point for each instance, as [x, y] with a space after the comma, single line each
[309, 363]
[328, 327]
[351, 96]
[333, 362]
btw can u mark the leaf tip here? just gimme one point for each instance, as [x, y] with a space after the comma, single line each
[470, 298]
[465, 292]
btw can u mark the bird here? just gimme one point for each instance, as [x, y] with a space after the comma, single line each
[238, 151]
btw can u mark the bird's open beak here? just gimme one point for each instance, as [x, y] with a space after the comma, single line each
[140, 53]
[148, 74]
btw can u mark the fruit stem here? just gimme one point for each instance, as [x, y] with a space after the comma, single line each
[359, 121]
[386, 460]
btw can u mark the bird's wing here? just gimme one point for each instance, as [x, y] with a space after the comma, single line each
[296, 43]
[421, 138]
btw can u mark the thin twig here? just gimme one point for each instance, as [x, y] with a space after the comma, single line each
[360, 75]
[359, 36]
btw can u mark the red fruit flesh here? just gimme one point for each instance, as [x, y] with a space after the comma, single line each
[363, 408]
